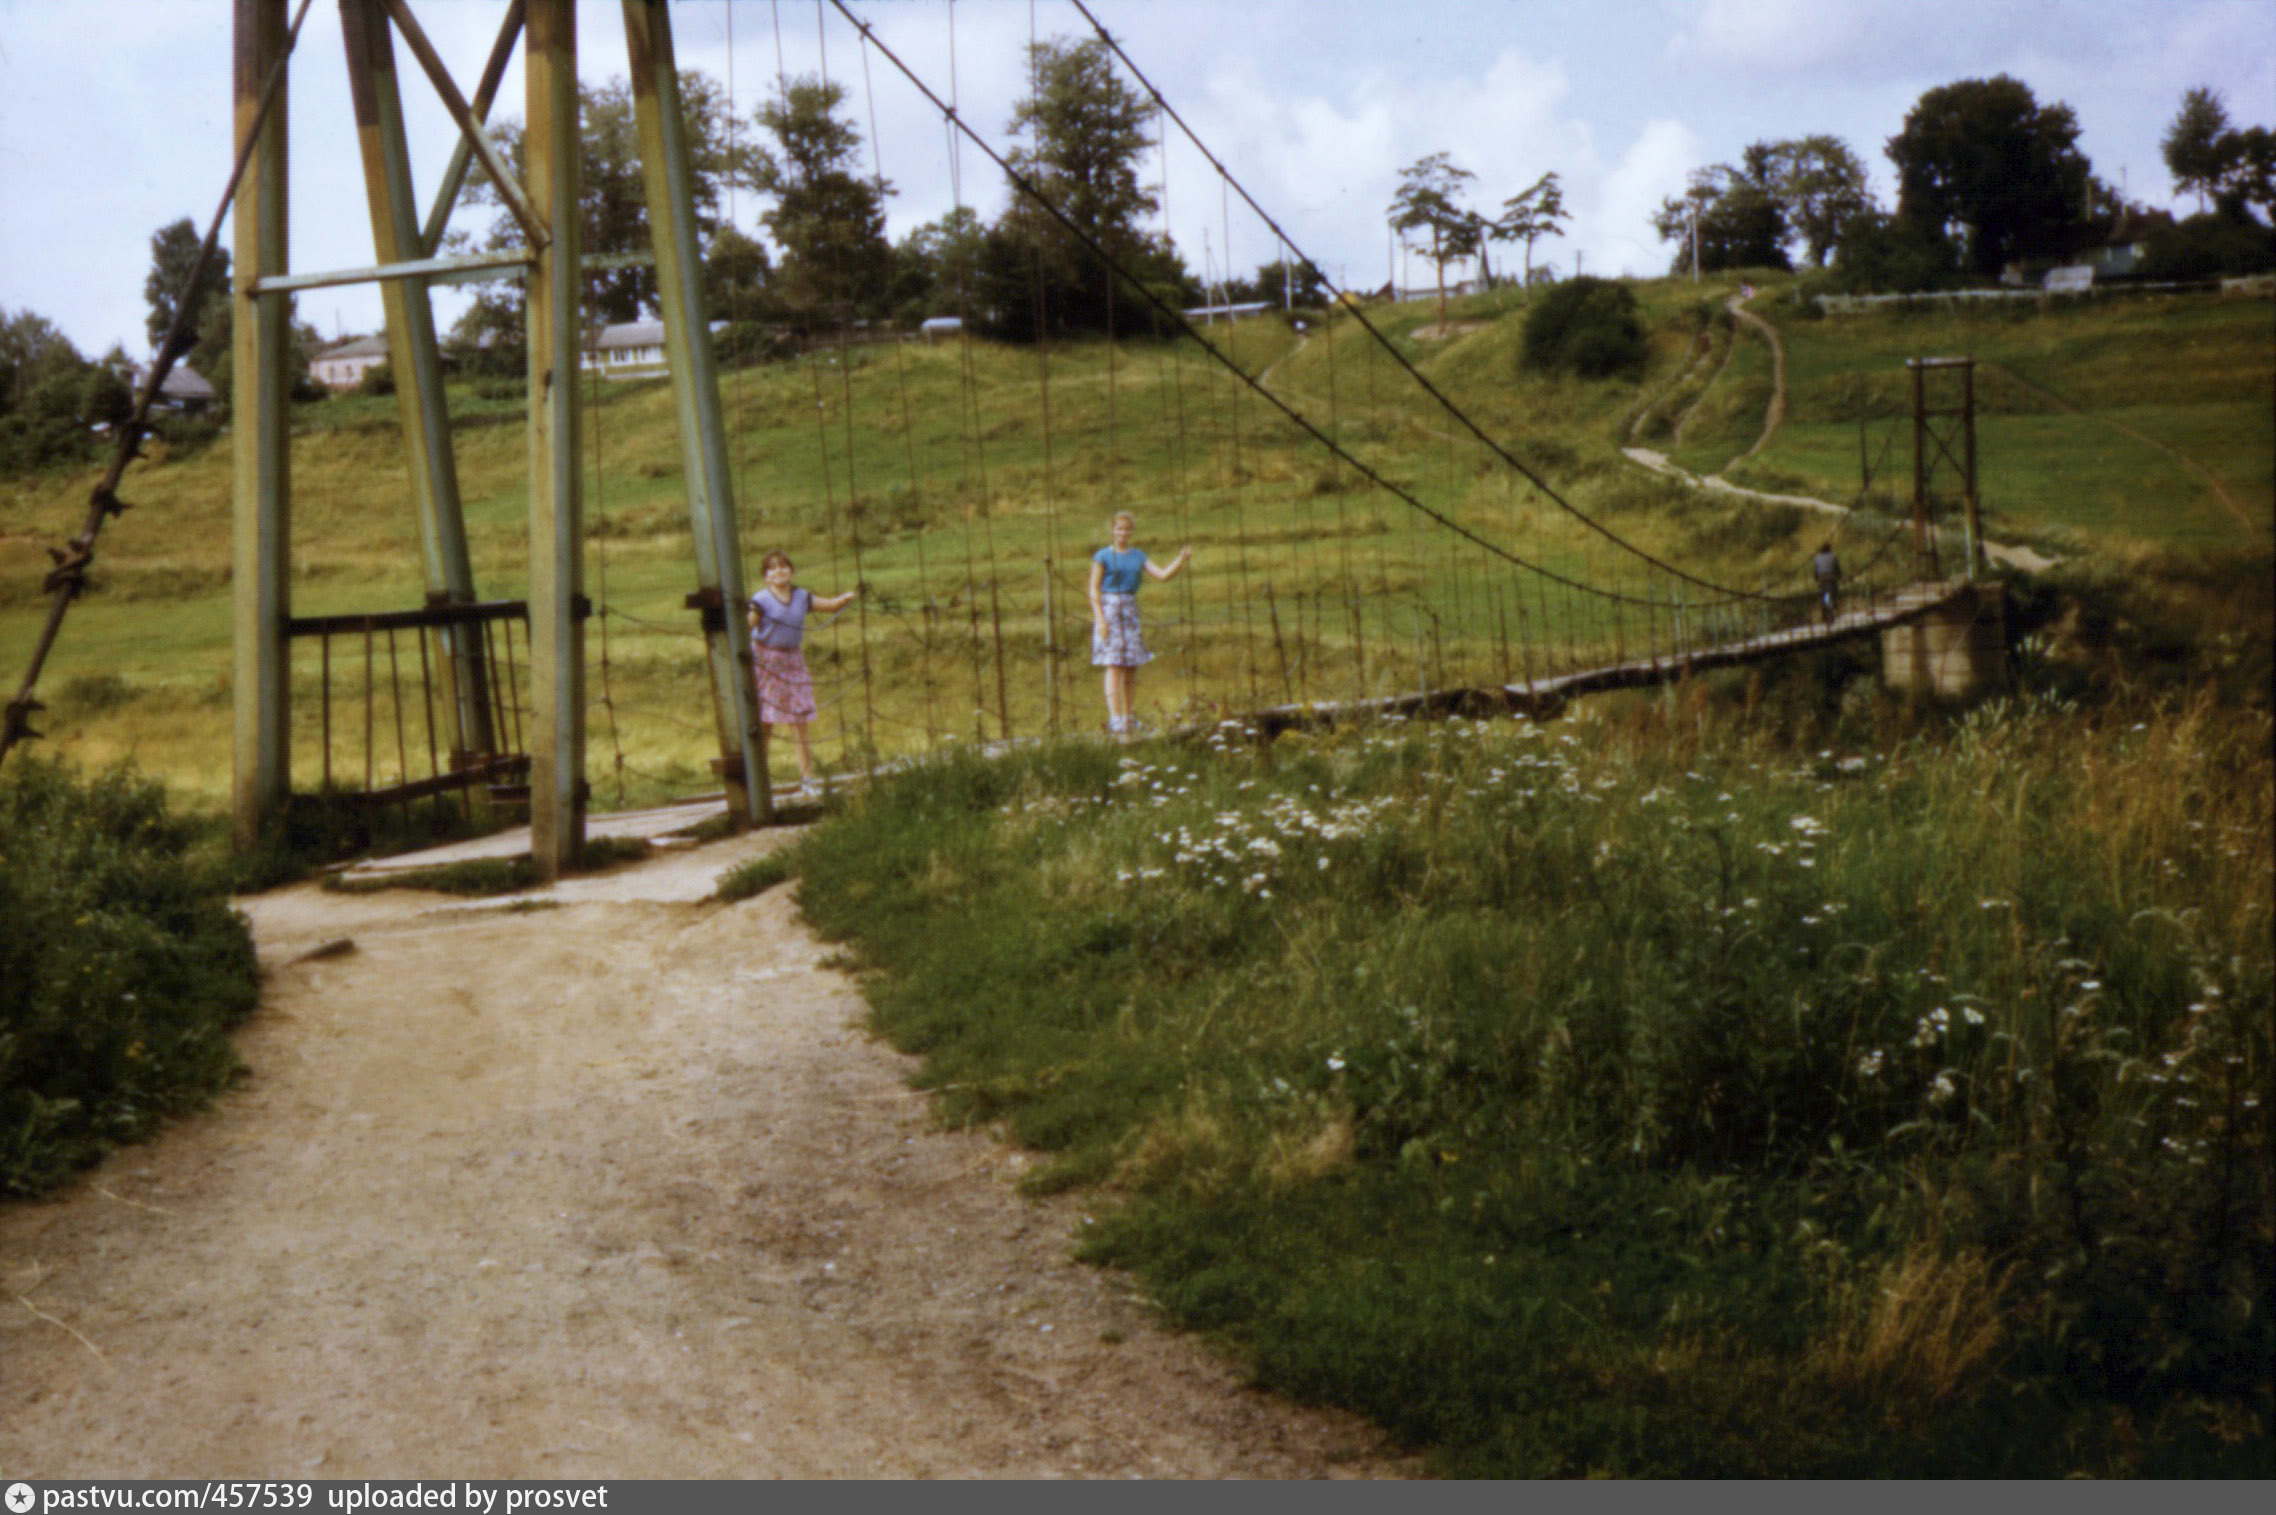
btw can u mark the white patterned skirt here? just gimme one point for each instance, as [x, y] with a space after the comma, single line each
[1122, 646]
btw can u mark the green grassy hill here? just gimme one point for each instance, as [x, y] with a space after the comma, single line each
[948, 479]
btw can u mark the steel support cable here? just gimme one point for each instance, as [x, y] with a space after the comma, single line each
[601, 573]
[967, 399]
[1179, 462]
[1384, 342]
[908, 430]
[68, 579]
[1178, 322]
[837, 640]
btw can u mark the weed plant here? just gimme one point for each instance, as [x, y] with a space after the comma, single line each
[122, 969]
[1648, 1095]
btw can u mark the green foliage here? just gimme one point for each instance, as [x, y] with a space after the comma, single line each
[174, 250]
[1082, 141]
[2209, 247]
[1664, 1098]
[1983, 166]
[612, 197]
[44, 386]
[828, 218]
[1585, 326]
[121, 970]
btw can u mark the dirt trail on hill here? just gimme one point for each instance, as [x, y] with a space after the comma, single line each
[611, 1187]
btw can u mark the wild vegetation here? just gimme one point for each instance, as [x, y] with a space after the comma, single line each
[1766, 1080]
[121, 969]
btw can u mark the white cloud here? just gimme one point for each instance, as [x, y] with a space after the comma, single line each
[1612, 226]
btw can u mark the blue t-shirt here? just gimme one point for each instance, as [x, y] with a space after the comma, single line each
[781, 626]
[1124, 570]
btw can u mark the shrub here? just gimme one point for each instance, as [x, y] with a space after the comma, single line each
[1588, 327]
[121, 970]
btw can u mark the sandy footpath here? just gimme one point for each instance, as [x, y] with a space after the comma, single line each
[614, 1187]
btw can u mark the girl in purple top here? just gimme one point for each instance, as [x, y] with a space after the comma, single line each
[778, 630]
[1116, 646]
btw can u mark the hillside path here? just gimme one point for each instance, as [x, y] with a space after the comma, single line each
[1774, 416]
[611, 1186]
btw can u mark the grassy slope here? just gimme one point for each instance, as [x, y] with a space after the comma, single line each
[953, 471]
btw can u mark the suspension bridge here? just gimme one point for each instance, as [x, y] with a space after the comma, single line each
[1335, 579]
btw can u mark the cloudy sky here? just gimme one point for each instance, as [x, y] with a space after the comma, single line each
[114, 114]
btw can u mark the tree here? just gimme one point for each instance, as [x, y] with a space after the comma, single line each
[828, 220]
[1293, 284]
[2192, 145]
[937, 268]
[43, 386]
[612, 197]
[1990, 171]
[1086, 141]
[2249, 180]
[1425, 202]
[1820, 187]
[173, 254]
[1727, 218]
[736, 275]
[1877, 251]
[1531, 215]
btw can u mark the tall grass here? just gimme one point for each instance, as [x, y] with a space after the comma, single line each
[1645, 1095]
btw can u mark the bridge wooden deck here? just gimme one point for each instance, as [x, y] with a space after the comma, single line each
[1546, 695]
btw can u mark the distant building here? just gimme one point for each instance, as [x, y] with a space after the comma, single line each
[185, 389]
[940, 326]
[1228, 312]
[628, 349]
[343, 365]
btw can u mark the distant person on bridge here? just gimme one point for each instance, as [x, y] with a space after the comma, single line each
[778, 662]
[1828, 569]
[1116, 646]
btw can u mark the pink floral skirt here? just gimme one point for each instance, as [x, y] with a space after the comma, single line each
[786, 690]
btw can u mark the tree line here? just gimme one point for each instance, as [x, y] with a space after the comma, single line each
[1082, 135]
[1987, 177]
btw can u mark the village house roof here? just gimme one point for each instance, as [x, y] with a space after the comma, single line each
[629, 334]
[355, 347]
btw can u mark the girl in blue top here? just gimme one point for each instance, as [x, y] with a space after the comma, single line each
[778, 632]
[1116, 646]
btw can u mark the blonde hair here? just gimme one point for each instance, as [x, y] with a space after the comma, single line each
[1122, 515]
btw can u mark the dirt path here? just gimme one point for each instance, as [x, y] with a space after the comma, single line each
[1774, 413]
[1774, 416]
[609, 1188]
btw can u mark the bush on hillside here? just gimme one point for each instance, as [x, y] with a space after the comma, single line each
[1588, 327]
[2209, 247]
[121, 970]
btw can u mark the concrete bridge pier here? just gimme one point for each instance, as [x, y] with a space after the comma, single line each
[1955, 651]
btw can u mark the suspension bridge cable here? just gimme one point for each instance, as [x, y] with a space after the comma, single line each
[1416, 374]
[1178, 321]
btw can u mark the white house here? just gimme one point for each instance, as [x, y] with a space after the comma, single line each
[344, 365]
[628, 349]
